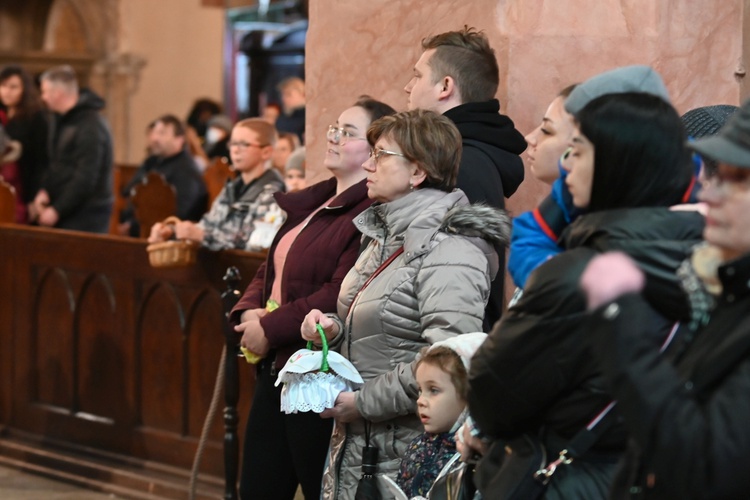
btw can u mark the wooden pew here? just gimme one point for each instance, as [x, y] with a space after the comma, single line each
[121, 176]
[154, 199]
[108, 365]
[215, 177]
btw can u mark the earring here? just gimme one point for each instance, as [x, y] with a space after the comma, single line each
[411, 186]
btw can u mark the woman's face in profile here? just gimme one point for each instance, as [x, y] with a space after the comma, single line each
[389, 174]
[549, 141]
[351, 149]
[580, 167]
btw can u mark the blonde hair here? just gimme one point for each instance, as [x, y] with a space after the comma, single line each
[267, 134]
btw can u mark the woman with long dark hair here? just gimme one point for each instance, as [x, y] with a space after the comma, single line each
[22, 116]
[535, 374]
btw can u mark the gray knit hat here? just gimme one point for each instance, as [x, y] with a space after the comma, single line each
[222, 122]
[617, 81]
[296, 160]
[731, 145]
[705, 121]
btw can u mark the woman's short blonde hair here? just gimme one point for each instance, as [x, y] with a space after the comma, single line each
[426, 138]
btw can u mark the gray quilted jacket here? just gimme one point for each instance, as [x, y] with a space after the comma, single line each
[436, 288]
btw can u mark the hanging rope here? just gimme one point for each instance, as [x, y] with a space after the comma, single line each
[207, 425]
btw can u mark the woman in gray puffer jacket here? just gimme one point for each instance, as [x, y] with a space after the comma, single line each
[432, 256]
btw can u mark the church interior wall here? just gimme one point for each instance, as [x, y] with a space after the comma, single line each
[181, 43]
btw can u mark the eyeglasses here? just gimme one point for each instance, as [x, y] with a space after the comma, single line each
[341, 135]
[377, 153]
[245, 145]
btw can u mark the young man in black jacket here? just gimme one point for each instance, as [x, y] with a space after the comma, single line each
[457, 75]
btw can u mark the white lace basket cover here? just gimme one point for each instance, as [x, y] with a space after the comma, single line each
[311, 384]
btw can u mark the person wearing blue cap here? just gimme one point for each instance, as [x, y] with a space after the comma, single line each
[687, 415]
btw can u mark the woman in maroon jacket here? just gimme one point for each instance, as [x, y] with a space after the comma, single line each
[309, 257]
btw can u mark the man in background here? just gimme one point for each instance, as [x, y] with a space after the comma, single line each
[76, 189]
[170, 158]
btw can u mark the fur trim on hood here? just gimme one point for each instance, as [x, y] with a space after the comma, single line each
[479, 221]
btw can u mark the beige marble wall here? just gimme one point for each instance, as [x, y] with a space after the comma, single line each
[542, 45]
[180, 42]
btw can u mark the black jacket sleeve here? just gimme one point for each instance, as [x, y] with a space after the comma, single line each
[695, 444]
[530, 358]
[87, 164]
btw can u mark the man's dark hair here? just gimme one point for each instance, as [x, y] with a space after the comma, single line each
[30, 101]
[177, 126]
[376, 109]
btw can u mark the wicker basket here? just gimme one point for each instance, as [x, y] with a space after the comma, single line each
[173, 253]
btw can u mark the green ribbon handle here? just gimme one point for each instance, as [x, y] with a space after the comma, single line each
[324, 365]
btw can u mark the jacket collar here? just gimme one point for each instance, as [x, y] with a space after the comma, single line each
[414, 219]
[419, 213]
[313, 196]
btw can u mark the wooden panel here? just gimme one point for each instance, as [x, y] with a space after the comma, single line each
[98, 360]
[202, 345]
[159, 336]
[52, 343]
[117, 356]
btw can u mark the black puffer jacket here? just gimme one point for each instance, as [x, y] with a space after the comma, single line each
[536, 369]
[79, 176]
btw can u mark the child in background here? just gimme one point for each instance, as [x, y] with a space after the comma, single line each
[285, 146]
[294, 171]
[442, 378]
[243, 201]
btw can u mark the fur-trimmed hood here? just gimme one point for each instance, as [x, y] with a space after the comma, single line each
[480, 221]
[417, 219]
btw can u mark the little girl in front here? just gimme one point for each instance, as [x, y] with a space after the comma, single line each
[442, 377]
